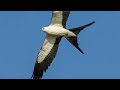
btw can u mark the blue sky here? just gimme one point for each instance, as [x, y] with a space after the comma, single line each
[21, 38]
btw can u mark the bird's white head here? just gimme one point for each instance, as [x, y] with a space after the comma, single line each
[44, 29]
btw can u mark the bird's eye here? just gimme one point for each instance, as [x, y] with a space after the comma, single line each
[43, 28]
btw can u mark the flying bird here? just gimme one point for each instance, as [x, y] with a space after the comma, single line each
[54, 33]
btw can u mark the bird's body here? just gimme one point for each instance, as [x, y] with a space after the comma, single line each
[57, 31]
[54, 33]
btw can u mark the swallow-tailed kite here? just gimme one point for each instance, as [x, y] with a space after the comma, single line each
[54, 33]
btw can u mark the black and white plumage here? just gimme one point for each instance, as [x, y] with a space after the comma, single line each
[54, 33]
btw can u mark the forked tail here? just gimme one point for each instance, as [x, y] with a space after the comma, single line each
[73, 40]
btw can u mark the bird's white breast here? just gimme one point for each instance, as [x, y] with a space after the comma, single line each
[55, 30]
[58, 31]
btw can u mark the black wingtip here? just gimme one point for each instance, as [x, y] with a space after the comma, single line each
[40, 77]
[37, 73]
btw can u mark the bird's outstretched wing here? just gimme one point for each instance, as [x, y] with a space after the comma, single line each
[50, 45]
[59, 18]
[46, 55]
